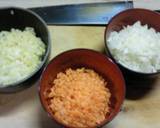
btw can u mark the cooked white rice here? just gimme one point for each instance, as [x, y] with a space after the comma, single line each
[21, 53]
[136, 47]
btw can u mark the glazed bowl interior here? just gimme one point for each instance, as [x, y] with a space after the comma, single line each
[19, 18]
[79, 58]
[129, 17]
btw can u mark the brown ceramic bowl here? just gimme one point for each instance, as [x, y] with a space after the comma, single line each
[78, 58]
[129, 17]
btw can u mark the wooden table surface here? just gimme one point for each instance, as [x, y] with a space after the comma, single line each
[141, 108]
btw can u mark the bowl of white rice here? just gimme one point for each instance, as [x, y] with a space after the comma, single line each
[25, 46]
[132, 40]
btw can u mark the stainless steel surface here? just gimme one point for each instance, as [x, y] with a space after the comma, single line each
[82, 14]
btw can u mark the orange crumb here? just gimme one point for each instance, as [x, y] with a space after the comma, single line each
[79, 98]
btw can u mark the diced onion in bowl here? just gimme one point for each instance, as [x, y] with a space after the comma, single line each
[137, 47]
[21, 53]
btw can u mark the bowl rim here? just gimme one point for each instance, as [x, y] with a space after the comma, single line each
[109, 51]
[46, 55]
[116, 111]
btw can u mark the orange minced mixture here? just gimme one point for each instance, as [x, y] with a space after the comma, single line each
[79, 98]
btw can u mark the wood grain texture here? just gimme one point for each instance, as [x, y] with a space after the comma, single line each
[23, 109]
[140, 108]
